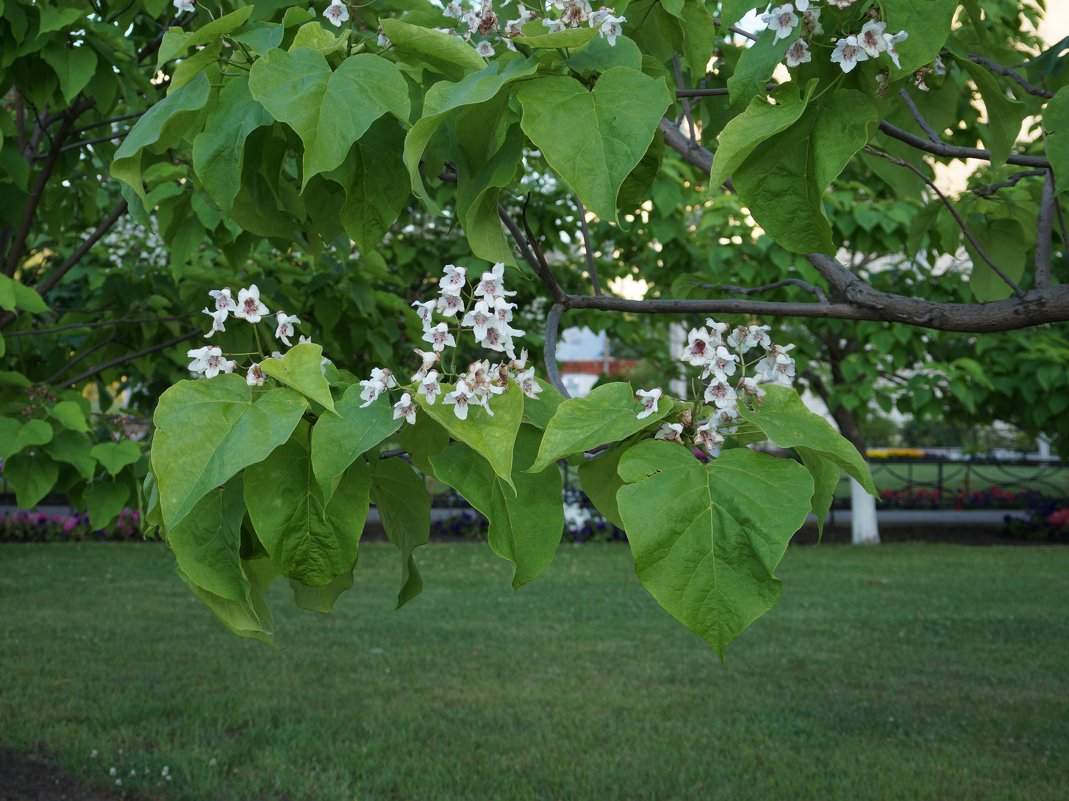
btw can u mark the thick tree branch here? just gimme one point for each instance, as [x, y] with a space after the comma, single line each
[549, 350]
[955, 152]
[798, 282]
[1010, 73]
[1013, 180]
[954, 213]
[1045, 232]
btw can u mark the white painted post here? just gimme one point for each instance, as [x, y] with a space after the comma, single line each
[1044, 446]
[677, 339]
[863, 527]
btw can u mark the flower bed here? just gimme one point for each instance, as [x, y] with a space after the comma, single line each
[23, 526]
[990, 498]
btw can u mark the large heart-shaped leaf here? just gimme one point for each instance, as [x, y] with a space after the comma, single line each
[706, 539]
[593, 140]
[16, 435]
[302, 369]
[339, 440]
[207, 543]
[404, 507]
[208, 430]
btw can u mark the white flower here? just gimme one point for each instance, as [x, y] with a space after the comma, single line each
[425, 311]
[528, 385]
[842, 3]
[452, 282]
[429, 387]
[503, 310]
[303, 340]
[371, 392]
[890, 41]
[492, 285]
[777, 366]
[721, 364]
[698, 348]
[672, 432]
[553, 25]
[228, 366]
[429, 358]
[223, 300]
[726, 418]
[708, 439]
[750, 387]
[405, 408]
[848, 52]
[453, 11]
[184, 7]
[798, 53]
[249, 306]
[285, 329]
[716, 331]
[611, 28]
[336, 13]
[483, 400]
[485, 49]
[255, 376]
[811, 23]
[745, 337]
[480, 319]
[384, 376]
[801, 5]
[218, 320]
[439, 337]
[720, 394]
[460, 398]
[383, 40]
[871, 38]
[649, 399]
[782, 20]
[209, 361]
[448, 305]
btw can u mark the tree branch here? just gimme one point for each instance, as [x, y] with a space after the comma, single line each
[549, 350]
[591, 265]
[129, 357]
[108, 121]
[1013, 180]
[100, 324]
[81, 357]
[916, 112]
[1045, 232]
[102, 228]
[736, 30]
[1010, 73]
[96, 141]
[954, 213]
[798, 282]
[955, 152]
[535, 262]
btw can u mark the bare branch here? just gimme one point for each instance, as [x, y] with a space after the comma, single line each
[694, 154]
[98, 140]
[736, 30]
[1013, 180]
[536, 263]
[954, 213]
[916, 112]
[798, 282]
[126, 358]
[98, 232]
[84, 354]
[108, 121]
[591, 265]
[1045, 232]
[955, 152]
[99, 324]
[1010, 73]
[685, 103]
[549, 351]
[713, 92]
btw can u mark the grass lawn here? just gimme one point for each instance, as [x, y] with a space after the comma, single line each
[907, 671]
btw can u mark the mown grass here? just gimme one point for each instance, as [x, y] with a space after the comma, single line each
[900, 672]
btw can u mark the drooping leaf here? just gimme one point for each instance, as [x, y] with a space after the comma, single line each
[16, 435]
[491, 436]
[249, 616]
[600, 481]
[70, 414]
[1004, 115]
[593, 140]
[424, 439]
[74, 66]
[32, 475]
[339, 440]
[608, 414]
[301, 368]
[73, 448]
[329, 110]
[525, 525]
[540, 410]
[706, 539]
[320, 599]
[177, 41]
[928, 25]
[104, 501]
[425, 47]
[114, 456]
[825, 473]
[207, 543]
[209, 430]
[404, 507]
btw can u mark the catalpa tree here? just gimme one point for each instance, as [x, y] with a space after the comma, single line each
[306, 128]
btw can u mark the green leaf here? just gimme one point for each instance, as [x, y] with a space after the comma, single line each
[608, 414]
[250, 616]
[74, 66]
[207, 544]
[160, 127]
[16, 295]
[425, 47]
[422, 440]
[706, 540]
[731, 11]
[301, 369]
[32, 475]
[540, 410]
[599, 56]
[569, 37]
[176, 41]
[477, 199]
[219, 150]
[320, 599]
[114, 456]
[54, 19]
[928, 24]
[104, 501]
[601, 481]
[788, 423]
[1056, 123]
[525, 525]
[328, 110]
[1004, 116]
[618, 121]
[73, 448]
[14, 436]
[755, 67]
[825, 473]
[339, 440]
[784, 179]
[760, 121]
[405, 511]
[308, 538]
[444, 98]
[209, 430]
[315, 36]
[492, 437]
[70, 414]
[1003, 241]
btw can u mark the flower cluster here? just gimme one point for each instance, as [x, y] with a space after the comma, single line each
[477, 19]
[485, 311]
[722, 352]
[209, 361]
[869, 43]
